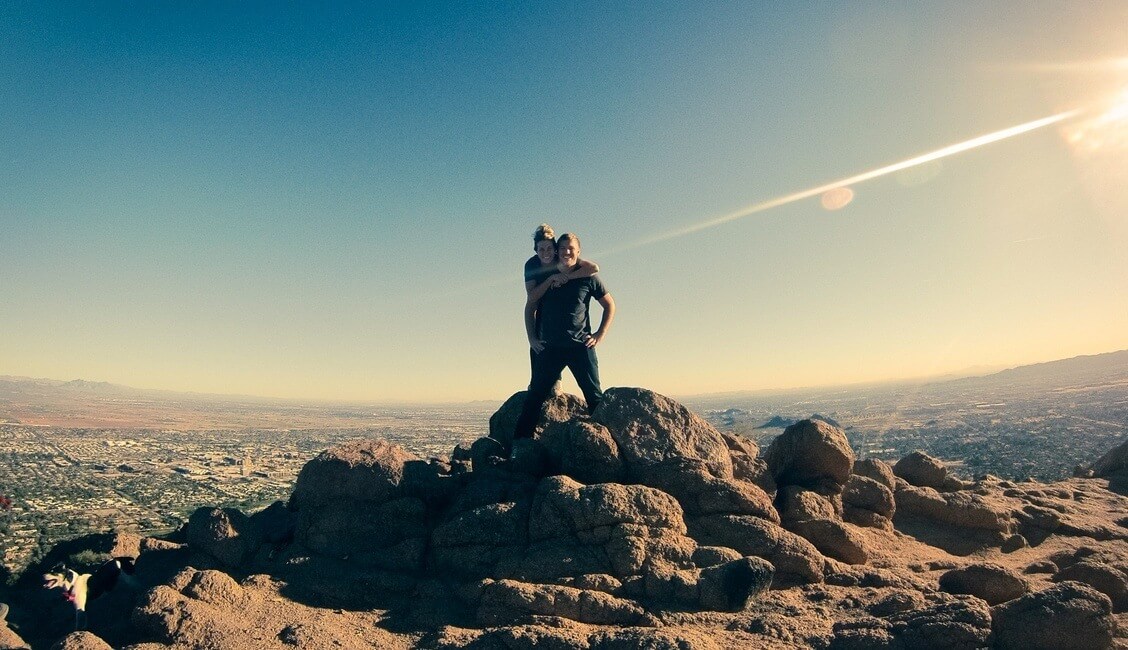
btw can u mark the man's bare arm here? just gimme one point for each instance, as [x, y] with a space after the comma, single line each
[608, 304]
[584, 269]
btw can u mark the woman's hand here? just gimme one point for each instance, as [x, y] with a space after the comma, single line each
[557, 280]
[537, 345]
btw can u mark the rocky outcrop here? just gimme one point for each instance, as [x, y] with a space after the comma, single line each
[1113, 463]
[558, 408]
[811, 454]
[987, 581]
[592, 508]
[639, 525]
[506, 602]
[922, 470]
[867, 502]
[652, 431]
[583, 450]
[811, 463]
[81, 641]
[1065, 617]
[9, 640]
[226, 534]
[795, 559]
[1101, 576]
[958, 623]
[973, 513]
[345, 498]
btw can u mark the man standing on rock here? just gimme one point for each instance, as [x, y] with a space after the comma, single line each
[561, 336]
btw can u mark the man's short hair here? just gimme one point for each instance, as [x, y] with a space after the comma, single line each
[568, 236]
[544, 232]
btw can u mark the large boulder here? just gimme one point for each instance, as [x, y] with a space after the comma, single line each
[81, 640]
[922, 470]
[1113, 463]
[509, 601]
[963, 509]
[225, 534]
[1067, 616]
[651, 430]
[798, 504]
[990, 582]
[584, 450]
[833, 539]
[811, 454]
[351, 501]
[557, 408]
[867, 502]
[564, 507]
[1101, 576]
[359, 470]
[574, 530]
[728, 587]
[878, 470]
[961, 622]
[702, 493]
[795, 559]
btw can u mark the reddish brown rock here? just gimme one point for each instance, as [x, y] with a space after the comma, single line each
[650, 430]
[922, 470]
[990, 582]
[810, 454]
[1068, 616]
[361, 470]
[584, 450]
[557, 408]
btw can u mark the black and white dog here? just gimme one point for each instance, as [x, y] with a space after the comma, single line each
[78, 588]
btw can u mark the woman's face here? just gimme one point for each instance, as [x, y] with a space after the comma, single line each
[546, 251]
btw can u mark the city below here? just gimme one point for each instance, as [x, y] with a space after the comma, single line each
[80, 457]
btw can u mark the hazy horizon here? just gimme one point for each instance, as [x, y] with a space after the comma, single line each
[333, 203]
[968, 373]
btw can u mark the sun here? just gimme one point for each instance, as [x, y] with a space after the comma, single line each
[1104, 132]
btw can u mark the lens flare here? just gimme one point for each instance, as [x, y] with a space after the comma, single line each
[843, 183]
[837, 198]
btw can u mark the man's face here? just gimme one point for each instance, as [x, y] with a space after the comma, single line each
[546, 251]
[569, 252]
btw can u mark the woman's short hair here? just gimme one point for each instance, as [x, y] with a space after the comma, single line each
[568, 236]
[544, 232]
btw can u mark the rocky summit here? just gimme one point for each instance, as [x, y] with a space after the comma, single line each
[637, 526]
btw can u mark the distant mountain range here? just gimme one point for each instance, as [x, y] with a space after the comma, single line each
[1088, 368]
[1110, 366]
[1084, 368]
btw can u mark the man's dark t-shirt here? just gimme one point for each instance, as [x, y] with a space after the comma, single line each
[563, 312]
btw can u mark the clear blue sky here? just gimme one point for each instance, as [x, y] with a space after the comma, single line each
[335, 201]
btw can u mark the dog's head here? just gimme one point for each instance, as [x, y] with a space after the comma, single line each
[60, 577]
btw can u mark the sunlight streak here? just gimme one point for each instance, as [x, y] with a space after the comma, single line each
[943, 152]
[1107, 131]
